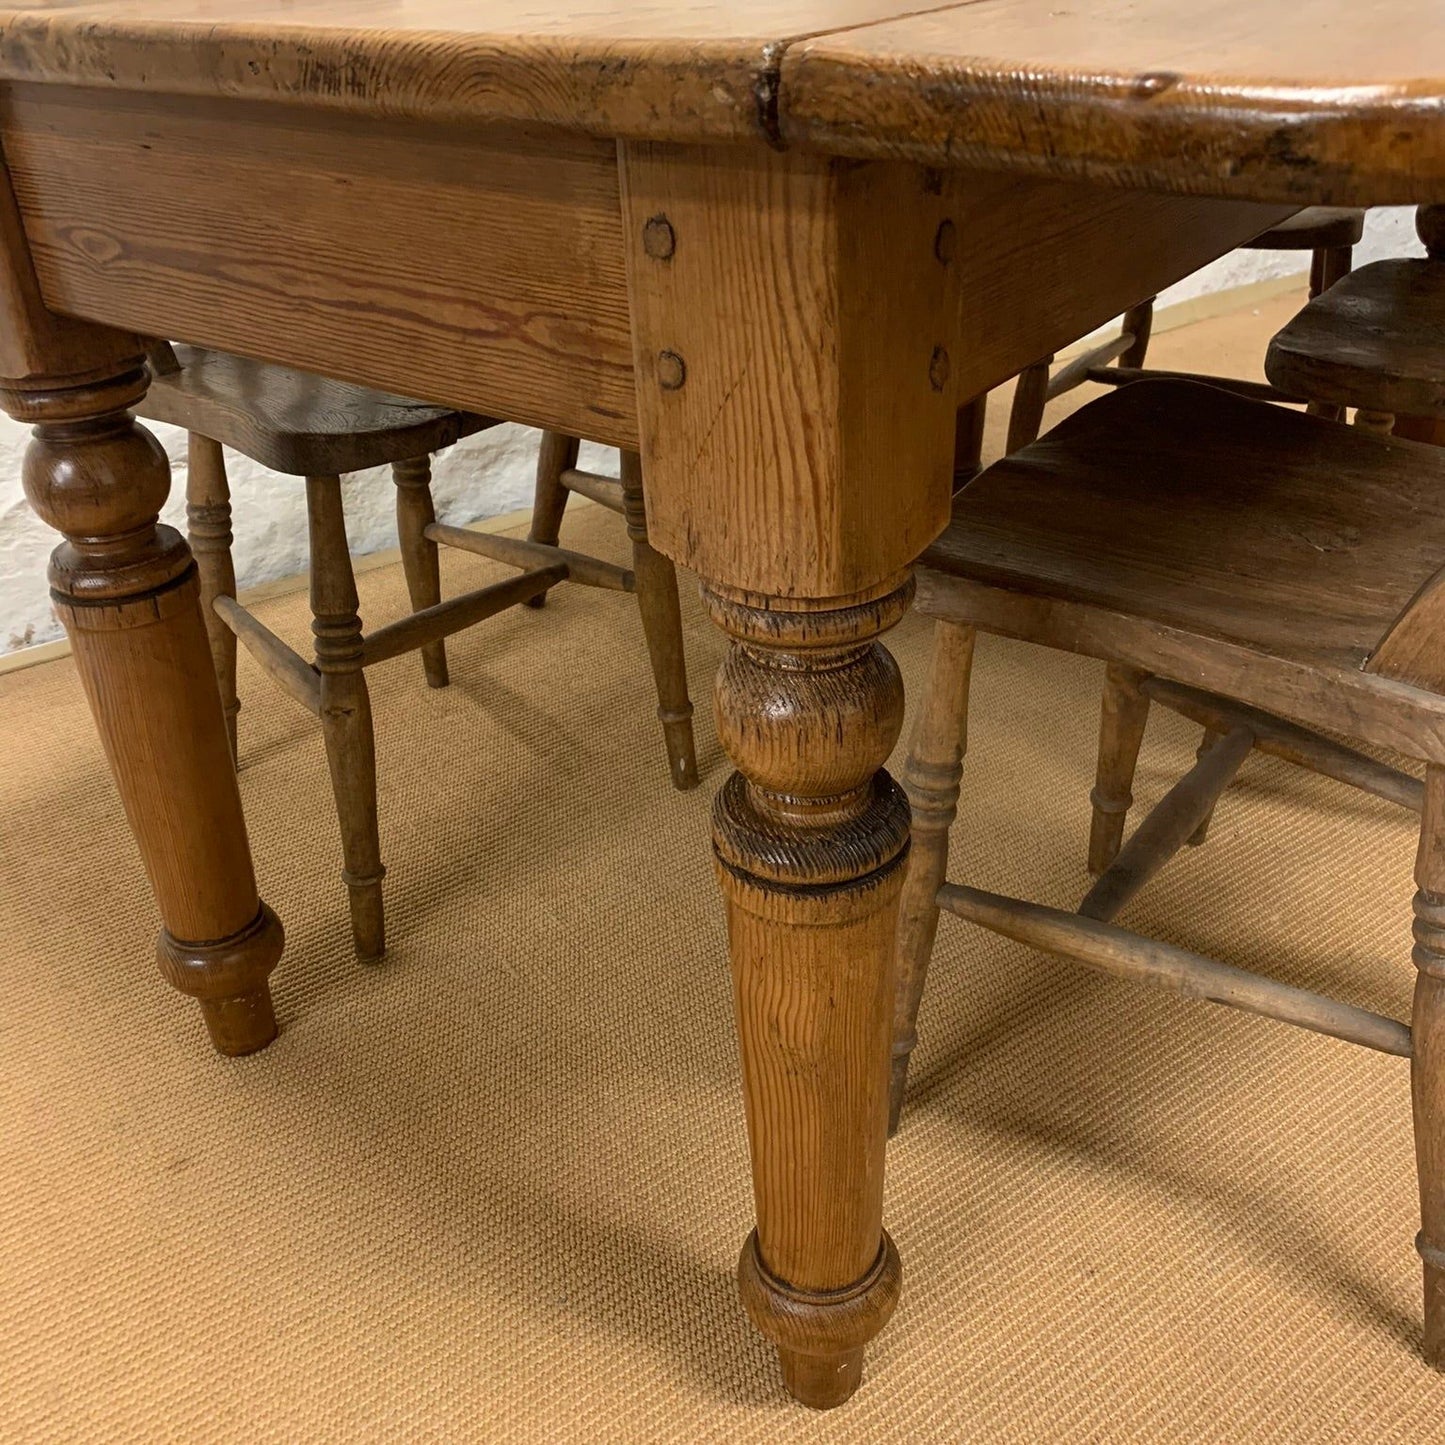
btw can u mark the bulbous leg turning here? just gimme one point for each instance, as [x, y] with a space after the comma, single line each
[810, 837]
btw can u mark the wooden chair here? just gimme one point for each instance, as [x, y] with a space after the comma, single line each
[1329, 233]
[1240, 563]
[309, 426]
[1373, 342]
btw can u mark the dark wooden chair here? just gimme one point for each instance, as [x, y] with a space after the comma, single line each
[1328, 233]
[1373, 342]
[1242, 564]
[312, 427]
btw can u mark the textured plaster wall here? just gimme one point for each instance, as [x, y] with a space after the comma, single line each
[481, 477]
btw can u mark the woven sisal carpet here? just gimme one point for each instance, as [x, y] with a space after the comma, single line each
[494, 1188]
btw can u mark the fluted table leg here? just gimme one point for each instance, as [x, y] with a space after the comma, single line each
[127, 591]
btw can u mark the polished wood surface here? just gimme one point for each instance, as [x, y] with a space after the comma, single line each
[1315, 101]
[640, 68]
[1372, 341]
[1315, 579]
[294, 421]
[1303, 551]
[1316, 228]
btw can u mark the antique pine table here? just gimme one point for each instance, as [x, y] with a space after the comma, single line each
[772, 245]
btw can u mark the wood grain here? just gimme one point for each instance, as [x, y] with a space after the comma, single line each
[777, 400]
[1316, 102]
[638, 68]
[341, 245]
[126, 589]
[294, 421]
[1371, 341]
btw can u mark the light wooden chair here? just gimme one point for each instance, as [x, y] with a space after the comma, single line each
[1373, 342]
[312, 427]
[1329, 233]
[1240, 563]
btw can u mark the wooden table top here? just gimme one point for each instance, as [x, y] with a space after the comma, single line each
[1314, 100]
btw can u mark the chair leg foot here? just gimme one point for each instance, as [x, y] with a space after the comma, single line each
[368, 919]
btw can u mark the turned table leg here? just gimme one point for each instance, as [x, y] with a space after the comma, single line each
[127, 591]
[810, 837]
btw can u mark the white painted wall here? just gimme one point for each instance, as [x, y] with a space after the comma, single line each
[480, 477]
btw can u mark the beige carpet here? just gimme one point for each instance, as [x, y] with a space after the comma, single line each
[495, 1188]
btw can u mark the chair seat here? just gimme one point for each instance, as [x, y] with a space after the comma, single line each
[1188, 508]
[296, 422]
[1316, 228]
[1372, 340]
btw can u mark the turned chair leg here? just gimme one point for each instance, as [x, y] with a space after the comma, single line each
[968, 427]
[557, 454]
[1026, 418]
[1427, 1062]
[1326, 267]
[346, 712]
[208, 527]
[1139, 323]
[1380, 423]
[1121, 730]
[662, 626]
[419, 561]
[931, 777]
[1201, 834]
